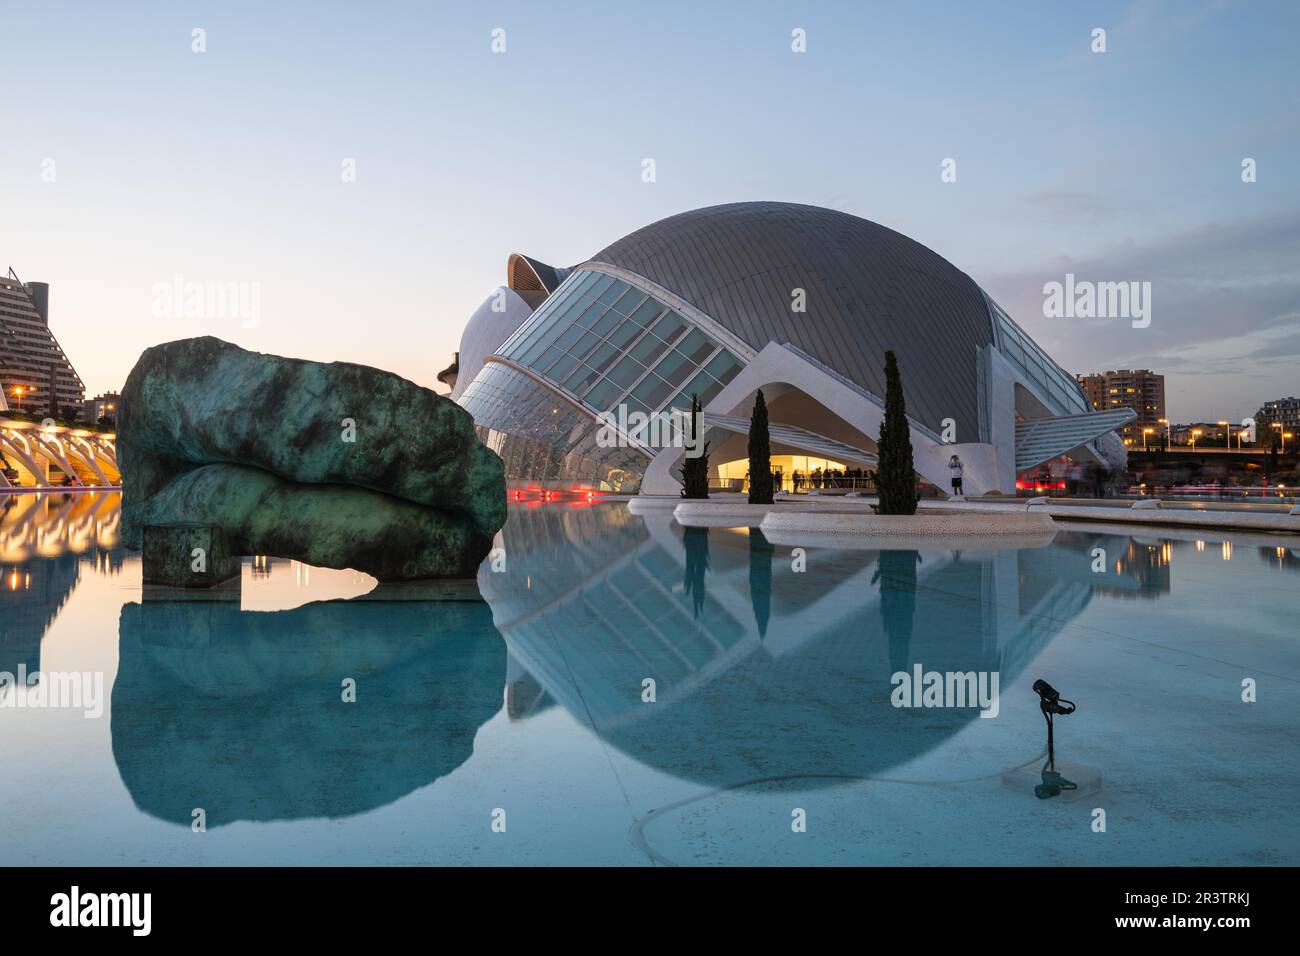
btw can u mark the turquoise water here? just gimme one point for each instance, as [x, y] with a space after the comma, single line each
[522, 701]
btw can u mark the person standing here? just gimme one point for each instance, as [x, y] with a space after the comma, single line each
[954, 470]
[1097, 479]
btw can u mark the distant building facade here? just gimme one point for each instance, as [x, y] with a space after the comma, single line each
[1139, 389]
[101, 405]
[1204, 433]
[32, 363]
[1281, 411]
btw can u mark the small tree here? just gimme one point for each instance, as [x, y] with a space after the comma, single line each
[760, 455]
[896, 475]
[1267, 437]
[695, 470]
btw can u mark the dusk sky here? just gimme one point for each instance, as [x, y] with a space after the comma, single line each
[226, 166]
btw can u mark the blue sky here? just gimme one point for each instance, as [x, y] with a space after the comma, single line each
[225, 166]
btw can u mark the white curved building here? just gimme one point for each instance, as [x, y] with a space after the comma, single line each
[799, 301]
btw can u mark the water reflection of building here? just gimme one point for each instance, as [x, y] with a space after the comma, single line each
[31, 597]
[1282, 558]
[1135, 567]
[44, 539]
[545, 569]
[761, 670]
[50, 525]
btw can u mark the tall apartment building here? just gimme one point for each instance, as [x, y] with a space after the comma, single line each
[32, 362]
[1139, 389]
[1285, 411]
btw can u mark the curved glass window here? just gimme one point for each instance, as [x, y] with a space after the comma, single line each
[1057, 388]
[604, 342]
[542, 439]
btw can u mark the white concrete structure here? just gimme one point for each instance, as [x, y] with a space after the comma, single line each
[33, 455]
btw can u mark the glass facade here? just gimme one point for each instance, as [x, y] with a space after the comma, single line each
[542, 440]
[1057, 388]
[603, 343]
[606, 343]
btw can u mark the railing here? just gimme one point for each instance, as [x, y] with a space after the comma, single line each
[833, 484]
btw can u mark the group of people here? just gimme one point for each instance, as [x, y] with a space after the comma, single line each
[1078, 479]
[1088, 480]
[1082, 479]
[831, 478]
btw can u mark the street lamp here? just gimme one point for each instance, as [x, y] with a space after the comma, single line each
[1145, 433]
[1195, 434]
[1285, 436]
[1227, 442]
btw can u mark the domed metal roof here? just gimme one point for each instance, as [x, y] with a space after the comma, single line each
[491, 324]
[867, 288]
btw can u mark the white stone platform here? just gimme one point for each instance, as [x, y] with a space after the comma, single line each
[925, 529]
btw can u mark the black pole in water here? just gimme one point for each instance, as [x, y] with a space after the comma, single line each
[1051, 747]
[1051, 704]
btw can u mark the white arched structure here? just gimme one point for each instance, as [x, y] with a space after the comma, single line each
[86, 458]
[779, 369]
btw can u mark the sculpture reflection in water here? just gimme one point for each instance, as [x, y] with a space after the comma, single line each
[241, 713]
[762, 671]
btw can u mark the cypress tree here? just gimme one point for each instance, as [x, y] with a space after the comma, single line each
[760, 455]
[896, 477]
[695, 471]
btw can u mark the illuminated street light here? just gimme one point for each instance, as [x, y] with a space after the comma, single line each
[1227, 443]
[1196, 432]
[1145, 433]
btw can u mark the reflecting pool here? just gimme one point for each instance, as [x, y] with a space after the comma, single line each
[617, 689]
